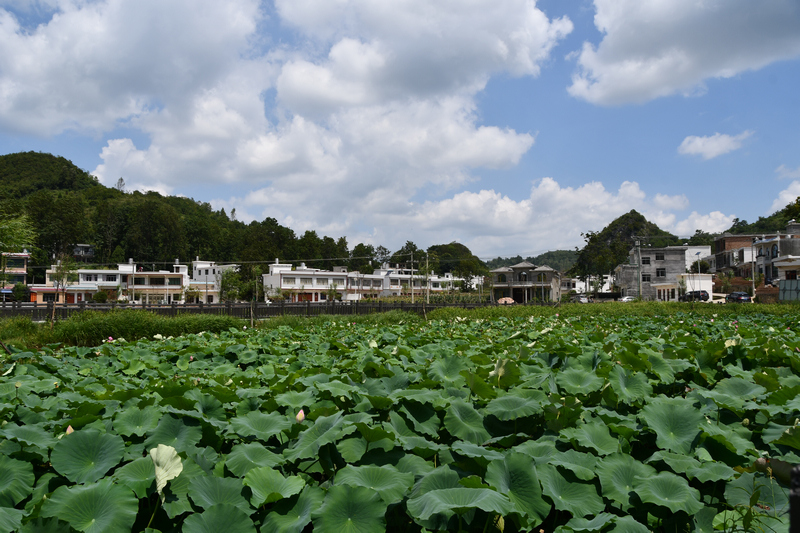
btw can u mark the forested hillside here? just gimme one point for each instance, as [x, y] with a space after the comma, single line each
[68, 206]
[561, 260]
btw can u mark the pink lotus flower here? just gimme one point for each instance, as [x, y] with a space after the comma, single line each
[300, 416]
[70, 430]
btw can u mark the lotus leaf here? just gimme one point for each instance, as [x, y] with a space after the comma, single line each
[101, 507]
[138, 475]
[627, 524]
[669, 490]
[511, 407]
[515, 477]
[675, 422]
[349, 509]
[326, 430]
[220, 517]
[16, 481]
[167, 465]
[464, 422]
[244, 457]
[208, 491]
[292, 516]
[578, 380]
[631, 387]
[135, 421]
[86, 455]
[580, 499]
[458, 500]
[268, 485]
[593, 435]
[259, 425]
[387, 481]
[174, 432]
[619, 475]
[595, 524]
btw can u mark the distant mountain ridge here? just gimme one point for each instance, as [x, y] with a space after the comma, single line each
[561, 260]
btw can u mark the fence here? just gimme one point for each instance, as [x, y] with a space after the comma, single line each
[42, 312]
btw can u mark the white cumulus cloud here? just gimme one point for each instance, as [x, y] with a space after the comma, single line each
[785, 172]
[712, 146]
[655, 48]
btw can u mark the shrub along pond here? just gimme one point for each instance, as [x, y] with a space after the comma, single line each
[572, 423]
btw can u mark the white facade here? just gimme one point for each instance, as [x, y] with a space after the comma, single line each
[206, 279]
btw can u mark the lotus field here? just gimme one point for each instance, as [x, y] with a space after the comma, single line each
[624, 424]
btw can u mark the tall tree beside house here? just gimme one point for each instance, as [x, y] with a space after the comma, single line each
[361, 258]
[63, 275]
[404, 255]
[606, 249]
[16, 232]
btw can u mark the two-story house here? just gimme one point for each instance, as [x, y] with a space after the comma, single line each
[658, 271]
[526, 282]
[13, 270]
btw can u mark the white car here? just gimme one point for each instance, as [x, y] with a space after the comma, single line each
[627, 299]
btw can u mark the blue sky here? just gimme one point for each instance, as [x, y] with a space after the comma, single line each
[511, 126]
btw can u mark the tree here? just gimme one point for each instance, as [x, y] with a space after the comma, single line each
[704, 266]
[229, 285]
[16, 232]
[403, 256]
[361, 258]
[64, 274]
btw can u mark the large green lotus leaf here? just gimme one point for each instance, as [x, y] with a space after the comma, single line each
[268, 485]
[326, 430]
[174, 432]
[627, 524]
[16, 481]
[391, 484]
[424, 418]
[580, 499]
[167, 465]
[217, 518]
[176, 493]
[738, 440]
[442, 477]
[679, 464]
[473, 450]
[352, 449]
[778, 434]
[31, 435]
[666, 369]
[458, 500]
[296, 400]
[260, 425]
[244, 457]
[740, 388]
[11, 519]
[630, 387]
[594, 524]
[711, 471]
[739, 492]
[138, 475]
[101, 507]
[513, 407]
[578, 380]
[293, 515]
[349, 509]
[580, 464]
[540, 450]
[618, 475]
[41, 525]
[478, 386]
[675, 421]
[447, 370]
[515, 476]
[465, 423]
[135, 421]
[594, 435]
[671, 491]
[337, 389]
[433, 397]
[406, 437]
[207, 491]
[505, 373]
[86, 455]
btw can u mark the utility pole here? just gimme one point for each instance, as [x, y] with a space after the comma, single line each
[411, 280]
[427, 280]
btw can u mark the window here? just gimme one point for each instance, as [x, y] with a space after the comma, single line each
[377, 283]
[661, 272]
[139, 281]
[213, 272]
[645, 278]
[289, 281]
[774, 251]
[394, 282]
[210, 299]
[645, 260]
[791, 274]
[157, 281]
[49, 297]
[322, 281]
[541, 278]
[501, 278]
[174, 281]
[15, 262]
[435, 284]
[659, 256]
[111, 277]
[206, 272]
[305, 281]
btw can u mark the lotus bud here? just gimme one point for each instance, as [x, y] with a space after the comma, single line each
[746, 422]
[300, 416]
[69, 430]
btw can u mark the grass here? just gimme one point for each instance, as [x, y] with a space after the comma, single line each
[91, 328]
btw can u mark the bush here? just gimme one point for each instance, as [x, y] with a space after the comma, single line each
[100, 297]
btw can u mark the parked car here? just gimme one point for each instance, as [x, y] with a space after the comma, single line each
[738, 297]
[627, 299]
[581, 299]
[693, 296]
